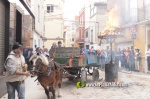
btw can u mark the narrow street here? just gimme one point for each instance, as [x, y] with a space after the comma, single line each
[139, 88]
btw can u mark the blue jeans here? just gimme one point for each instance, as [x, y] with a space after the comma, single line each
[19, 87]
[131, 65]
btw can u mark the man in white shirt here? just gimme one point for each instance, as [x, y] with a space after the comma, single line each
[14, 65]
[148, 57]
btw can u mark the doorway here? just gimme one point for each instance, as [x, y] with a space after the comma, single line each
[18, 27]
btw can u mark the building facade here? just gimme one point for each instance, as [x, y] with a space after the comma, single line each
[4, 31]
[37, 7]
[27, 31]
[80, 29]
[87, 27]
[98, 19]
[53, 22]
[133, 19]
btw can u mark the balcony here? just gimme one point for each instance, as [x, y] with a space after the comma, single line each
[131, 16]
[141, 15]
[147, 12]
[81, 25]
[144, 15]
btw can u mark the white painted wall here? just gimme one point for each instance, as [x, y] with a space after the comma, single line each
[93, 26]
[54, 23]
[38, 11]
[97, 24]
[87, 24]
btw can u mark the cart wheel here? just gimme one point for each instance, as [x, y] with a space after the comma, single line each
[70, 78]
[95, 75]
[90, 72]
[83, 75]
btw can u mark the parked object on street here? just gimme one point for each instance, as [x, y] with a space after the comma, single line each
[137, 59]
[148, 57]
[131, 61]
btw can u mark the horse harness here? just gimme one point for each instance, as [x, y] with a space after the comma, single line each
[51, 67]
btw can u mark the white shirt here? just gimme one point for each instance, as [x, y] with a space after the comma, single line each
[46, 53]
[148, 52]
[14, 63]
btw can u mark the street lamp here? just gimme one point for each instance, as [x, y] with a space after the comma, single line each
[111, 70]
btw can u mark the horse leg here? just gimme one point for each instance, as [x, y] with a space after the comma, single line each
[59, 85]
[58, 90]
[60, 81]
[47, 93]
[53, 92]
[50, 91]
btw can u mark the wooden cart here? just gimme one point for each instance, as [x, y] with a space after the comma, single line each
[76, 64]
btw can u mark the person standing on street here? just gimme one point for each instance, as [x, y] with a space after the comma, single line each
[137, 59]
[30, 53]
[122, 59]
[54, 45]
[46, 53]
[127, 58]
[103, 60]
[25, 54]
[38, 51]
[131, 61]
[148, 57]
[17, 72]
[59, 44]
[117, 56]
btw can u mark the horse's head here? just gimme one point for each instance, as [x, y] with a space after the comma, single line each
[33, 59]
[37, 60]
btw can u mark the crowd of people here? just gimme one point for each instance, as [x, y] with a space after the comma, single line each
[126, 58]
[27, 52]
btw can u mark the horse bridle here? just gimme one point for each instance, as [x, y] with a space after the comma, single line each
[50, 69]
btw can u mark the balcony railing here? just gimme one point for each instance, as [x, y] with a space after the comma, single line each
[147, 11]
[131, 16]
[141, 14]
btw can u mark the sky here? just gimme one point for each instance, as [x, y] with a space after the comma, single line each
[72, 7]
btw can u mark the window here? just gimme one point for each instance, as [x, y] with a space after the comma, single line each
[80, 20]
[50, 8]
[82, 33]
[72, 39]
[86, 33]
[38, 42]
[87, 47]
[38, 13]
[29, 3]
[72, 26]
[107, 47]
[91, 35]
[35, 43]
